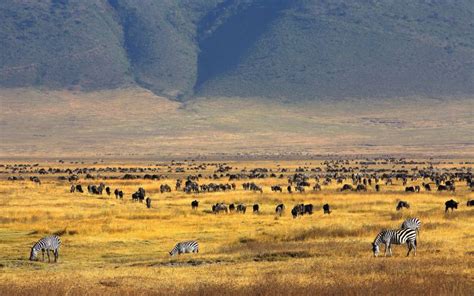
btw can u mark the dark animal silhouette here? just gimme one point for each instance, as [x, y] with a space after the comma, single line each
[402, 204]
[326, 209]
[450, 204]
[256, 208]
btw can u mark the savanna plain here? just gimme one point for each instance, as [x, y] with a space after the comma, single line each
[120, 247]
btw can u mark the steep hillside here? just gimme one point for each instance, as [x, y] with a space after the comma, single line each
[293, 49]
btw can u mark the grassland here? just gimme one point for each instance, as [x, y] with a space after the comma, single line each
[120, 247]
[133, 122]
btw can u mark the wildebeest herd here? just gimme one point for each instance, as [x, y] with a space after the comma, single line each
[358, 178]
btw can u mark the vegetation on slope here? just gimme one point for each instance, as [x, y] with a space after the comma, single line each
[301, 49]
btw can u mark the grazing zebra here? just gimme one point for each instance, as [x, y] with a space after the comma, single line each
[397, 237]
[46, 244]
[185, 247]
[412, 223]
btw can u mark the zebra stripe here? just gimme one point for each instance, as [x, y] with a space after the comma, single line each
[185, 247]
[49, 243]
[396, 237]
[411, 223]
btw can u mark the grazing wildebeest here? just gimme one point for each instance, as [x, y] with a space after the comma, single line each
[443, 188]
[231, 207]
[279, 209]
[116, 192]
[219, 207]
[451, 204]
[317, 187]
[417, 188]
[297, 210]
[148, 202]
[361, 187]
[377, 187]
[470, 203]
[194, 204]
[326, 209]
[107, 190]
[79, 188]
[288, 188]
[139, 195]
[276, 188]
[410, 189]
[402, 204]
[308, 209]
[120, 194]
[73, 188]
[241, 208]
[346, 187]
[35, 180]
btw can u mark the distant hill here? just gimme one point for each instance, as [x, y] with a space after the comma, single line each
[294, 49]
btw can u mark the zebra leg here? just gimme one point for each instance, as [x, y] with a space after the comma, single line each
[47, 252]
[390, 250]
[56, 255]
[414, 248]
[409, 248]
[42, 251]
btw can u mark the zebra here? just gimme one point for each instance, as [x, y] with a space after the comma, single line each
[397, 237]
[46, 244]
[185, 247]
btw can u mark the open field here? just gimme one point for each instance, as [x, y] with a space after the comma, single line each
[133, 122]
[120, 247]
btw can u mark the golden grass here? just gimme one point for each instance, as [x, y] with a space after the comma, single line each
[121, 247]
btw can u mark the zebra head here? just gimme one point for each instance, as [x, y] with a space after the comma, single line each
[375, 249]
[174, 251]
[33, 254]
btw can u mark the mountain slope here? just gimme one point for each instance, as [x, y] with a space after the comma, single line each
[298, 49]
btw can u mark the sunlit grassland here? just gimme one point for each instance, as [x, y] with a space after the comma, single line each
[120, 247]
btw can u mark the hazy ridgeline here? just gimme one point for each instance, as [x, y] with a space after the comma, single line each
[120, 247]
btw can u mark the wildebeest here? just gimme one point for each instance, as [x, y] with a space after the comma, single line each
[297, 210]
[377, 187]
[326, 209]
[361, 187]
[288, 188]
[347, 187]
[256, 208]
[116, 192]
[241, 208]
[410, 189]
[194, 204]
[446, 188]
[148, 202]
[308, 209]
[451, 204]
[73, 188]
[107, 190]
[79, 188]
[139, 195]
[470, 203]
[317, 187]
[427, 187]
[402, 204]
[279, 209]
[276, 188]
[231, 207]
[35, 180]
[219, 207]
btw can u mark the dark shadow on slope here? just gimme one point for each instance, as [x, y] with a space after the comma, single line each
[229, 31]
